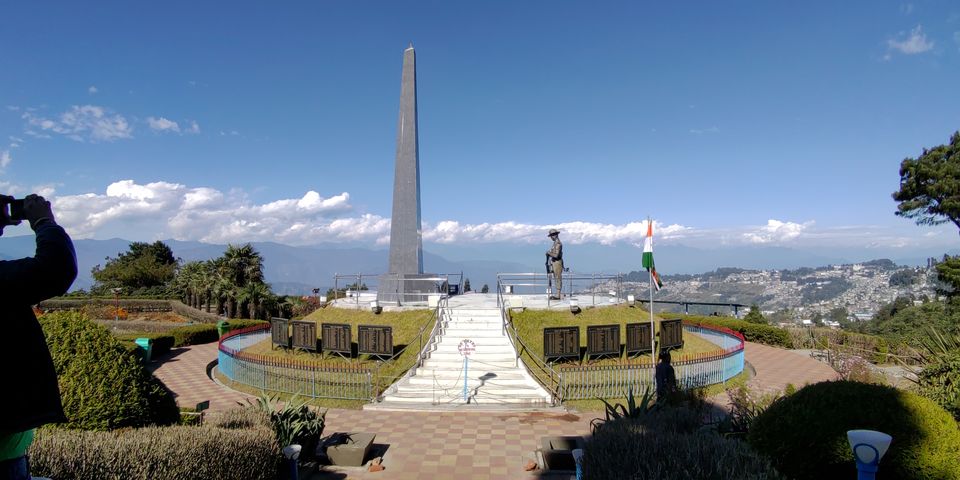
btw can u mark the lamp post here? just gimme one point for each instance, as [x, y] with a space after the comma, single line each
[116, 302]
[868, 448]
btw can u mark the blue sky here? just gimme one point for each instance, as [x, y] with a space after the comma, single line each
[729, 123]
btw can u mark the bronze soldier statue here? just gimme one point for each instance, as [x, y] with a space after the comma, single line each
[555, 262]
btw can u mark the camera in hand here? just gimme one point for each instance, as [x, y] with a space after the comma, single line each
[16, 210]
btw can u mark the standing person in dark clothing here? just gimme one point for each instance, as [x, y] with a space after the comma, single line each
[555, 260]
[30, 395]
[666, 378]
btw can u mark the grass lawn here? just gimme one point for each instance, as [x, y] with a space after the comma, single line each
[530, 324]
[406, 325]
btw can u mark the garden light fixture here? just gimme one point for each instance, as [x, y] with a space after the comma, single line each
[868, 448]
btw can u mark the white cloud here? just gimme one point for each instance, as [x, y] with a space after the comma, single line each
[450, 231]
[194, 127]
[911, 44]
[81, 123]
[92, 90]
[163, 125]
[701, 131]
[776, 231]
[5, 158]
[906, 8]
[207, 214]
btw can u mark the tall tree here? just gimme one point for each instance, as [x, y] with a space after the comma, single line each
[930, 185]
[143, 265]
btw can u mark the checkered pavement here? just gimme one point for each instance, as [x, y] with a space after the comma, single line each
[454, 445]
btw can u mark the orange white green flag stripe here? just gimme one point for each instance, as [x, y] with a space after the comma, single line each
[648, 257]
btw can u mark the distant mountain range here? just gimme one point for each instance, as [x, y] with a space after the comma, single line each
[297, 270]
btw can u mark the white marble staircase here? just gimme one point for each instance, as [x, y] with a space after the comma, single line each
[494, 377]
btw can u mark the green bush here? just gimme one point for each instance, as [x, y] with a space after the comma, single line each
[162, 342]
[156, 453]
[940, 382]
[667, 445]
[752, 332]
[102, 386]
[293, 423]
[128, 304]
[805, 434]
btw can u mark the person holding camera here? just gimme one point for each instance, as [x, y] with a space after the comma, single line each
[30, 397]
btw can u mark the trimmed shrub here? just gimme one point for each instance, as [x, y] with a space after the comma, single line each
[940, 382]
[658, 446]
[805, 434]
[194, 334]
[102, 386]
[752, 332]
[156, 453]
[130, 305]
[193, 313]
[162, 342]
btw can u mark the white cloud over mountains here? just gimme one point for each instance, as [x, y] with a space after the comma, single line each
[170, 210]
[775, 232]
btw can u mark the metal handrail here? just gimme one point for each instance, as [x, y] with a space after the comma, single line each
[527, 279]
[423, 348]
[556, 381]
[358, 281]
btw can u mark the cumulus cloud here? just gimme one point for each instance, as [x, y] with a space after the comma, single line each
[92, 90]
[573, 232]
[209, 215]
[163, 125]
[194, 127]
[911, 43]
[81, 123]
[776, 231]
[5, 158]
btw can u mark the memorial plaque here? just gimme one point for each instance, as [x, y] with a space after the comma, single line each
[375, 340]
[603, 340]
[279, 333]
[638, 338]
[335, 337]
[304, 335]
[561, 342]
[671, 334]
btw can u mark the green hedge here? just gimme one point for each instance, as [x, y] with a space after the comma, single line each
[157, 453]
[193, 314]
[805, 434]
[752, 332]
[658, 446]
[130, 305]
[184, 336]
[102, 386]
[940, 382]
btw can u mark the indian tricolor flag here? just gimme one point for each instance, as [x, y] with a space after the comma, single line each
[648, 257]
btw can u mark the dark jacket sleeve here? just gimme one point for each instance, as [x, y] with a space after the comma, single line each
[47, 274]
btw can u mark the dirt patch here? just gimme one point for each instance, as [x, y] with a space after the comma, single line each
[537, 417]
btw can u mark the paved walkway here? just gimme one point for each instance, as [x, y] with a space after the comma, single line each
[418, 445]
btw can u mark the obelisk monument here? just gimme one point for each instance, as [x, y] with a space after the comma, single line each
[406, 245]
[404, 282]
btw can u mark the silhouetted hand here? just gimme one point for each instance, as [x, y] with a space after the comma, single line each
[36, 209]
[5, 213]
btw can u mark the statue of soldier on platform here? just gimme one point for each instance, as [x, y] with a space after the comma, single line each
[555, 263]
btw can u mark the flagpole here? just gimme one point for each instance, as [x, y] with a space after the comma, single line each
[653, 331]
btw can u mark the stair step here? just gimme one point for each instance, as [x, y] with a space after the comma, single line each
[484, 364]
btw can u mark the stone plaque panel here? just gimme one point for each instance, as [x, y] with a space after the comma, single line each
[279, 333]
[603, 340]
[561, 342]
[671, 334]
[638, 338]
[335, 338]
[375, 340]
[304, 335]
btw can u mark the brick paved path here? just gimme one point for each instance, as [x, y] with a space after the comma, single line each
[465, 446]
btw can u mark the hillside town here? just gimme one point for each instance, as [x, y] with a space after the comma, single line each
[798, 296]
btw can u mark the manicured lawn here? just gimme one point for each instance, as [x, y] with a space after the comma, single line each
[530, 324]
[406, 325]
